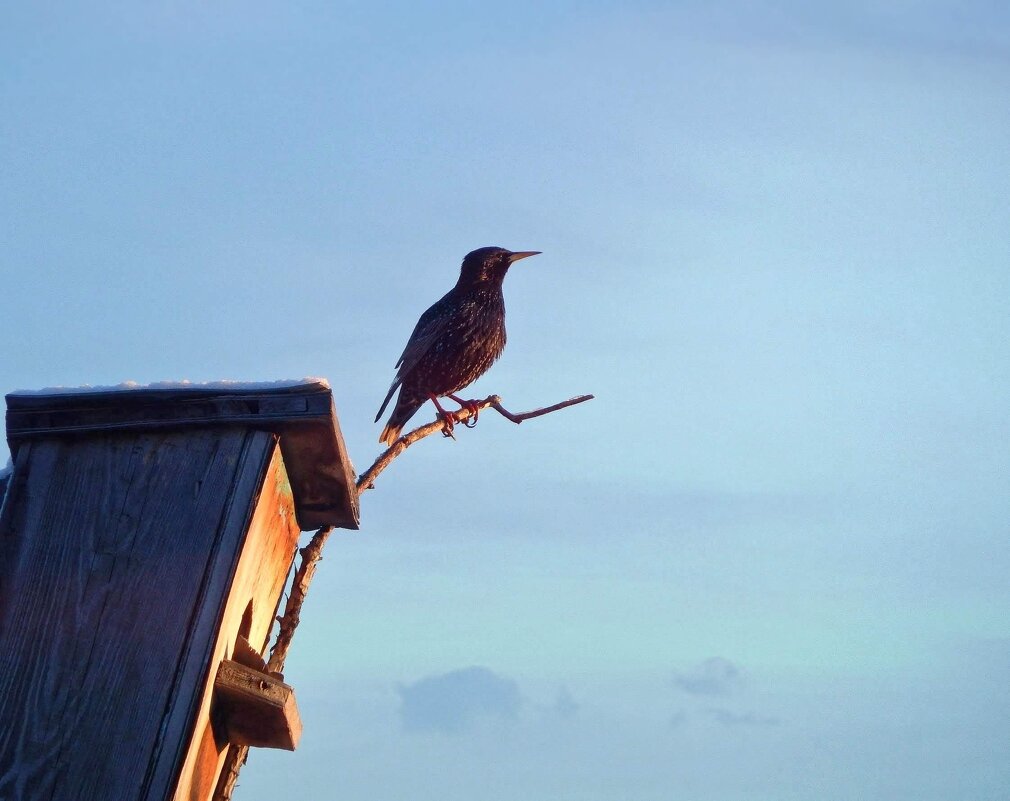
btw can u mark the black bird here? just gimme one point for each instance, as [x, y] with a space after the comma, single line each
[455, 341]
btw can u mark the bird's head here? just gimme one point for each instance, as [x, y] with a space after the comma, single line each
[489, 264]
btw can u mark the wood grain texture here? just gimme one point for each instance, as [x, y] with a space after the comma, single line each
[249, 611]
[256, 709]
[115, 554]
[303, 415]
[199, 657]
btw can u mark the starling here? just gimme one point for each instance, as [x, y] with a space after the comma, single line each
[455, 341]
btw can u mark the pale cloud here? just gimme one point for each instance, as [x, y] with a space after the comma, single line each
[451, 702]
[714, 676]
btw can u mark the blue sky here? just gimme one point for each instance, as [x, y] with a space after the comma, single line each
[768, 562]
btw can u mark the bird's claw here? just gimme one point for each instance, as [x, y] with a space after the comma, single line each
[472, 406]
[447, 425]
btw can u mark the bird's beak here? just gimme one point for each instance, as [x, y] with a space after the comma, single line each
[522, 254]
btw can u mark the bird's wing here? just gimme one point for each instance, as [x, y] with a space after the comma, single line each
[428, 329]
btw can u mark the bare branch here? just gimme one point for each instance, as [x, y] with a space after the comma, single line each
[366, 480]
[518, 418]
[311, 554]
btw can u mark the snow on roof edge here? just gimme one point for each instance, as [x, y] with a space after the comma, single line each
[132, 386]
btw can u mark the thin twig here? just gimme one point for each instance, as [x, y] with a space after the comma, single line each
[311, 554]
[518, 418]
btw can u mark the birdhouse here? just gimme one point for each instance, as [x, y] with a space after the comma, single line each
[146, 536]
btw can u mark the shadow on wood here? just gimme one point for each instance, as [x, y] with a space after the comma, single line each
[144, 541]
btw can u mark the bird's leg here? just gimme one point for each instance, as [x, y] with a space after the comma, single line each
[471, 406]
[447, 421]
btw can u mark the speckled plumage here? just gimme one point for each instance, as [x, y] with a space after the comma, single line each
[455, 341]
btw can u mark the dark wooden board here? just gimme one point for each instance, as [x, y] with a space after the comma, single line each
[322, 478]
[244, 626]
[113, 565]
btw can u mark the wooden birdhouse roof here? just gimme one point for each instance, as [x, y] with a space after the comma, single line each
[301, 413]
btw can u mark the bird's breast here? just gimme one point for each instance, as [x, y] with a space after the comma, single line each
[471, 340]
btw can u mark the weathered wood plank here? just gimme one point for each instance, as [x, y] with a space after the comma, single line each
[257, 709]
[303, 415]
[142, 408]
[251, 606]
[198, 657]
[109, 569]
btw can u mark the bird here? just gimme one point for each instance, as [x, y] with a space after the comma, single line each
[454, 342]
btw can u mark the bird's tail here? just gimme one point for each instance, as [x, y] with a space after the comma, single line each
[389, 395]
[390, 433]
[407, 405]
